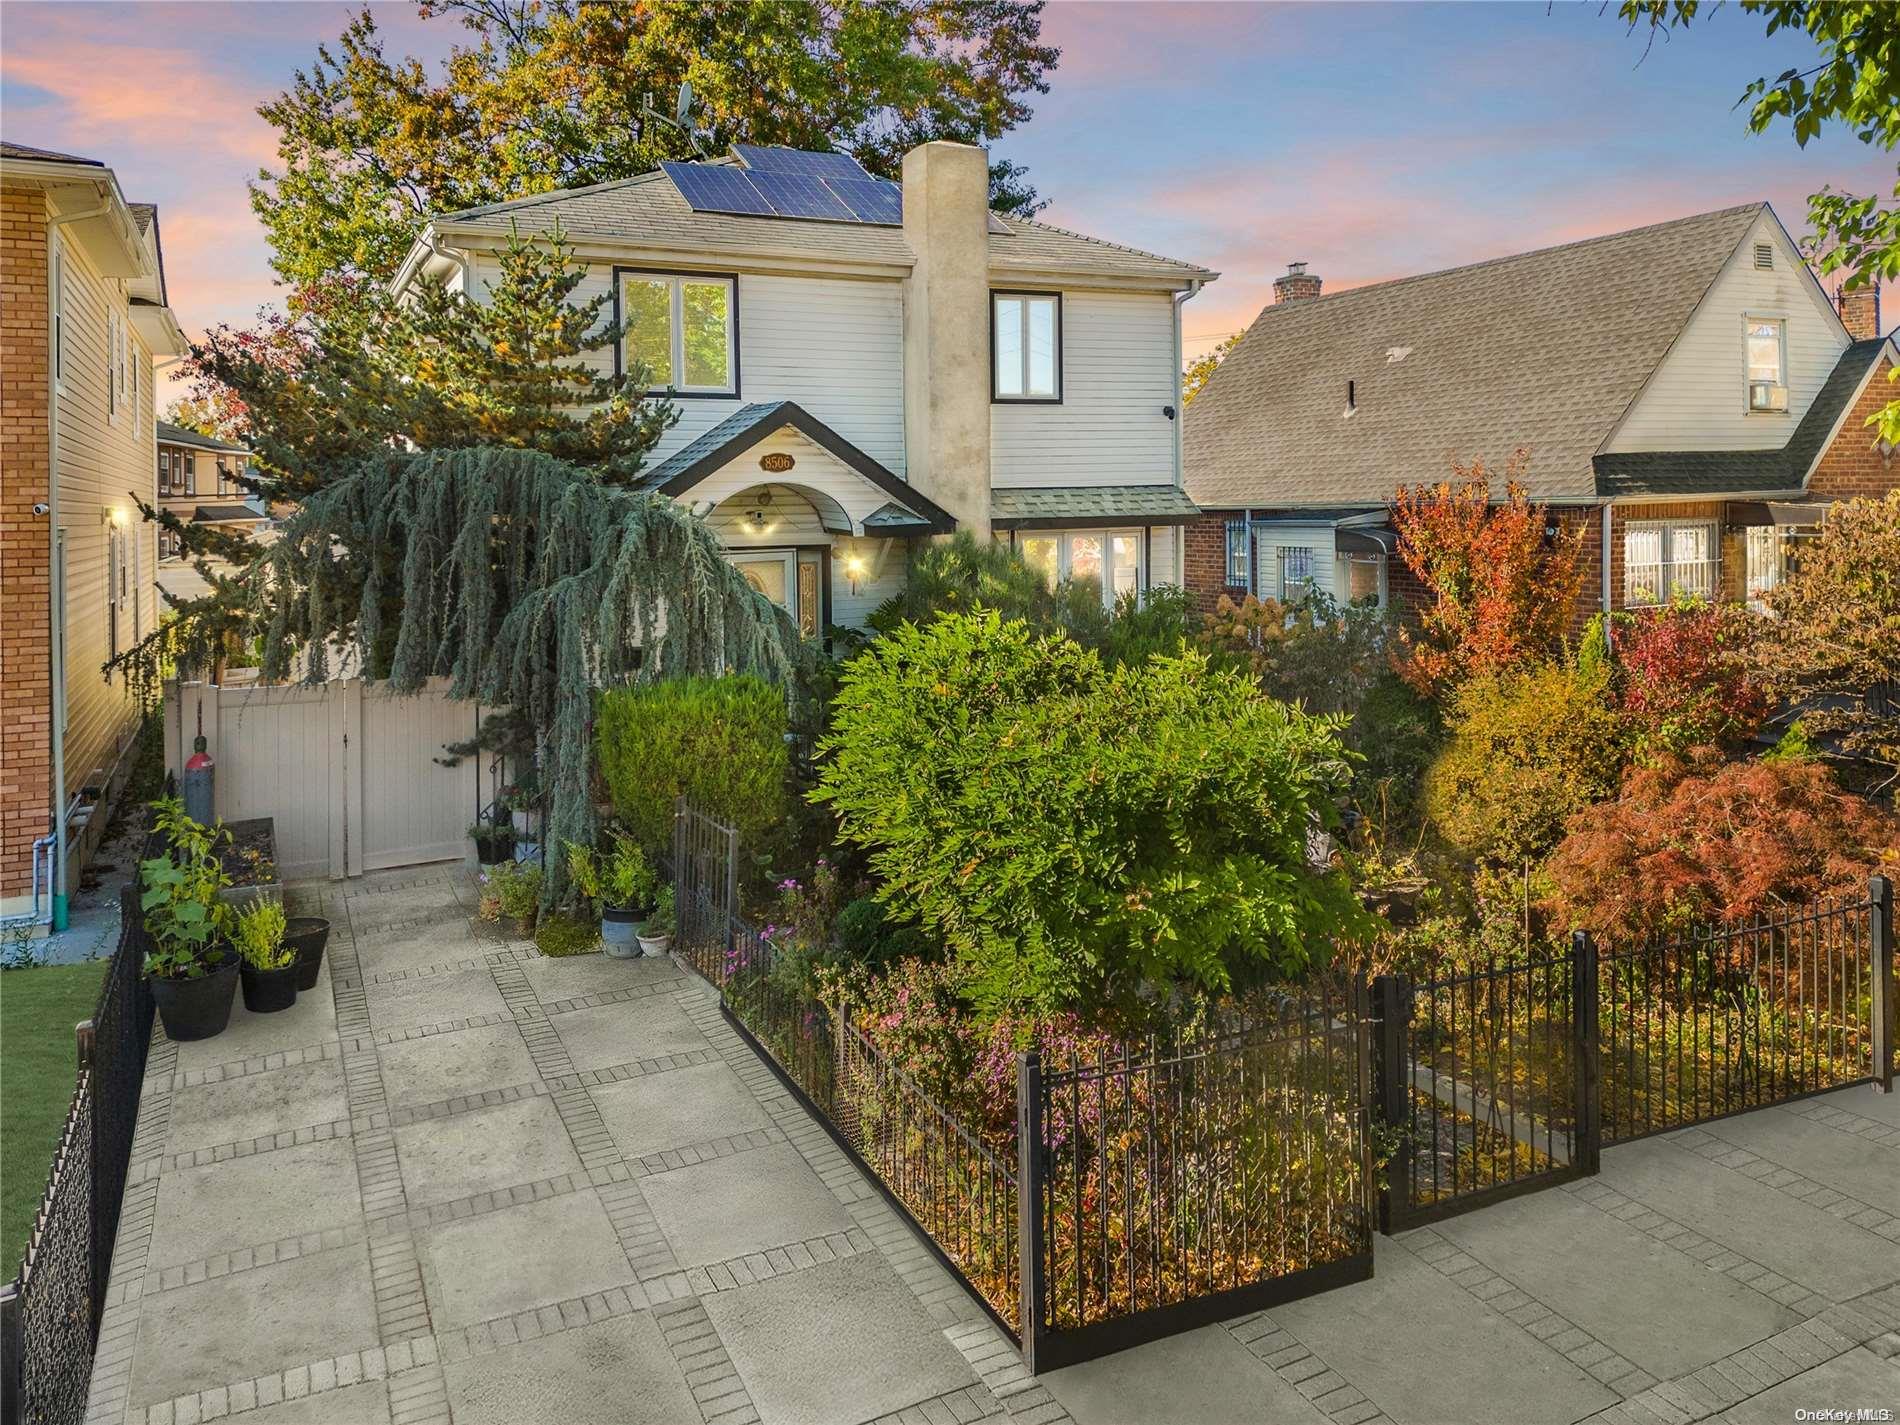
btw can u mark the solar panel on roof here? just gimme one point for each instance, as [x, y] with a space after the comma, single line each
[714, 188]
[796, 196]
[799, 162]
[872, 200]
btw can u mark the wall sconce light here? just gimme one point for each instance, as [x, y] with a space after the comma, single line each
[854, 570]
[759, 517]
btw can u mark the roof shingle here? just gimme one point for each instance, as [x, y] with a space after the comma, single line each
[648, 211]
[1543, 349]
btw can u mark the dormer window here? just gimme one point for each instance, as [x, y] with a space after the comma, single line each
[682, 328]
[1767, 347]
[1026, 346]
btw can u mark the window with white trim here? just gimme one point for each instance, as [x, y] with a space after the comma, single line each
[1663, 560]
[681, 327]
[1111, 557]
[1767, 347]
[1026, 346]
[1296, 573]
[1239, 556]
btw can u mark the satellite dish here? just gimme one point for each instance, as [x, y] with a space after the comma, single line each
[682, 114]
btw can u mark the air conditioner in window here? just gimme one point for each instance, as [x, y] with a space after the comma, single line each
[1767, 396]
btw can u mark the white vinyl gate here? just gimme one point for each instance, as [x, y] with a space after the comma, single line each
[350, 772]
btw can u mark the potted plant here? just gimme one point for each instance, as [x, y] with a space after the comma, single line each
[494, 841]
[626, 887]
[307, 935]
[192, 971]
[656, 936]
[518, 889]
[269, 973]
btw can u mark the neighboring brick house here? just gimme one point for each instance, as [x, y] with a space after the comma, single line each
[199, 480]
[1689, 396]
[83, 316]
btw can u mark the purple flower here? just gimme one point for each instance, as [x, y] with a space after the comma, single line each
[788, 884]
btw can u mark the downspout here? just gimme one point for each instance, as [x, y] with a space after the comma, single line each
[56, 880]
[447, 255]
[1603, 560]
[1180, 418]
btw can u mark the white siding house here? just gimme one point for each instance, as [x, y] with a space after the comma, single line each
[847, 388]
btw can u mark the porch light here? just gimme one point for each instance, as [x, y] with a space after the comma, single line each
[854, 570]
[760, 515]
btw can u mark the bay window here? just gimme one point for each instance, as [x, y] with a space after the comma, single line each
[1112, 558]
[683, 328]
[1026, 346]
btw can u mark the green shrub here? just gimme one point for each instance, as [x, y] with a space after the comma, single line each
[1073, 833]
[560, 935]
[1396, 733]
[1318, 652]
[1161, 621]
[720, 742]
[258, 933]
[866, 936]
[1527, 750]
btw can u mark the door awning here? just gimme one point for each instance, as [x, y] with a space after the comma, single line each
[1371, 539]
[1793, 513]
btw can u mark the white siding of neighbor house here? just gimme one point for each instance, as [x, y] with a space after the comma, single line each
[103, 459]
[1117, 374]
[1698, 397]
[833, 345]
[1270, 539]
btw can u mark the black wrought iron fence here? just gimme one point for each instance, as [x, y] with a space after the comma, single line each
[50, 1312]
[1479, 1076]
[1720, 1021]
[1159, 1185]
[1183, 1180]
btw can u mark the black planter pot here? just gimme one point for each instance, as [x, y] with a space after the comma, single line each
[196, 1009]
[267, 991]
[492, 851]
[309, 934]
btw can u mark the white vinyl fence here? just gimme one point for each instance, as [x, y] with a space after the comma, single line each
[350, 772]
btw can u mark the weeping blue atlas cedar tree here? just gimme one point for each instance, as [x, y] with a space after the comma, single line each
[524, 581]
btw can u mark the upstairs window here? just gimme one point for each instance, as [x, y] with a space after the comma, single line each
[682, 328]
[1767, 364]
[1026, 346]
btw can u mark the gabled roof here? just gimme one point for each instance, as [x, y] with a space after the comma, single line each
[1544, 349]
[1747, 472]
[172, 434]
[648, 212]
[9, 149]
[716, 448]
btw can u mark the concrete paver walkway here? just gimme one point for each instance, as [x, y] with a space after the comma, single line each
[463, 1182]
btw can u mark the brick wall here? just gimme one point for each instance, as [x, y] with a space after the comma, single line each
[1204, 542]
[26, 753]
[1851, 468]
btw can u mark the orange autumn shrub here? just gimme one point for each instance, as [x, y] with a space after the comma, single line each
[1695, 840]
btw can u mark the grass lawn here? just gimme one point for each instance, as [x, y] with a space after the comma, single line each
[38, 1009]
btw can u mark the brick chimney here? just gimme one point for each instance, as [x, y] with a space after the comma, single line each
[1297, 285]
[947, 330]
[1860, 311]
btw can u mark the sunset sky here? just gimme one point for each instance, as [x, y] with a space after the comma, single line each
[1370, 140]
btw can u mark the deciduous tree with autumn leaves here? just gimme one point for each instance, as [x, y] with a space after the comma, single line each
[1501, 577]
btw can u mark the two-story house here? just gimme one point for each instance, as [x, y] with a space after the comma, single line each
[1687, 392]
[82, 281]
[199, 481]
[860, 364]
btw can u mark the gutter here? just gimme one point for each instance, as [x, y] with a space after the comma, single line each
[56, 585]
